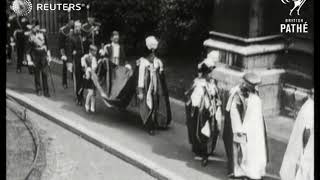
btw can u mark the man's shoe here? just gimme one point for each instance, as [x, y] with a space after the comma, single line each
[151, 132]
[9, 61]
[39, 93]
[79, 103]
[65, 86]
[46, 94]
[204, 162]
[87, 108]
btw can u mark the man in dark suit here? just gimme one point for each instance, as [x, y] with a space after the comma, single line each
[38, 55]
[20, 38]
[9, 43]
[64, 33]
[89, 31]
[75, 52]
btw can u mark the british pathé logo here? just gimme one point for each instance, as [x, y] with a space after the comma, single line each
[21, 7]
[297, 4]
[294, 25]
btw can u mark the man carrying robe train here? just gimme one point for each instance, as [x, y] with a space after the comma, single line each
[298, 161]
[245, 132]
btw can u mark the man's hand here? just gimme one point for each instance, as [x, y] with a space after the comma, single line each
[140, 93]
[218, 116]
[49, 58]
[74, 52]
[138, 62]
[128, 66]
[30, 63]
[140, 96]
[63, 58]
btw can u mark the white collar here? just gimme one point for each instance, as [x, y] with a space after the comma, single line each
[115, 44]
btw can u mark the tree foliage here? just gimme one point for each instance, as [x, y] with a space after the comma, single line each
[179, 24]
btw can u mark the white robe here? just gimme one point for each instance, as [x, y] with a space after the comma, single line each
[298, 164]
[254, 151]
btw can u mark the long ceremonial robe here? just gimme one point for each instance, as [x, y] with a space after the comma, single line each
[245, 116]
[118, 83]
[201, 107]
[155, 105]
[298, 163]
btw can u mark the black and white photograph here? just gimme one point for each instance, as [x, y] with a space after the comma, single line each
[160, 89]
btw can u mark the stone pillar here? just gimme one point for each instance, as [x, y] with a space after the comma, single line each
[238, 56]
[256, 18]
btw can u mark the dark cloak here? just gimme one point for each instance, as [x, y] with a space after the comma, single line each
[196, 119]
[160, 113]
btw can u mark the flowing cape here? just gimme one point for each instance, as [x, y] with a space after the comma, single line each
[160, 110]
[117, 83]
[197, 115]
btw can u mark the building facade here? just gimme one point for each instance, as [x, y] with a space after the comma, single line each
[249, 37]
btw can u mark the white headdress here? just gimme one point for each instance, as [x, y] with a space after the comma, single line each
[77, 23]
[151, 42]
[213, 55]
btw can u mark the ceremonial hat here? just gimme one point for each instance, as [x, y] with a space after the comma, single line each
[33, 23]
[204, 68]
[151, 42]
[214, 55]
[90, 18]
[93, 47]
[115, 33]
[252, 78]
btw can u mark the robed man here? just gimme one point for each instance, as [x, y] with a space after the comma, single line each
[116, 77]
[245, 132]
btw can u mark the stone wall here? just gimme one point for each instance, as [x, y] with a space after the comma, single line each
[286, 70]
[269, 90]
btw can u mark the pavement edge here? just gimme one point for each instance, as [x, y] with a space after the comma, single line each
[106, 144]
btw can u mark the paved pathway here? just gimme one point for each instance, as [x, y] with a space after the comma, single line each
[169, 149]
[69, 157]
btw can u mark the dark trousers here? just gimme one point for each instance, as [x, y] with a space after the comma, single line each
[64, 73]
[78, 75]
[41, 74]
[20, 56]
[41, 70]
[9, 51]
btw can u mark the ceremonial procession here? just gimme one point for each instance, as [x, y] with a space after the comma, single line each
[209, 100]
